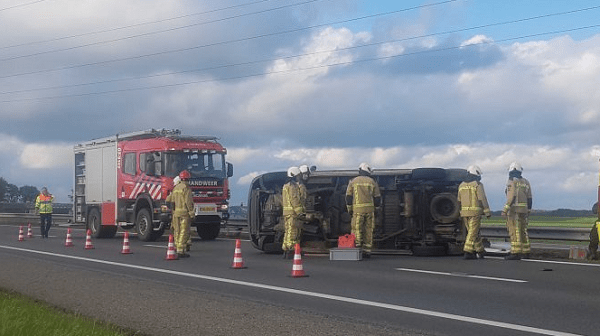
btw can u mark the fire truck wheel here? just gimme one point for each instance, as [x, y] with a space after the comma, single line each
[94, 223]
[143, 225]
[209, 230]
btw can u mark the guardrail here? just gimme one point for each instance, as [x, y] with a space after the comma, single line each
[543, 233]
[537, 233]
[24, 218]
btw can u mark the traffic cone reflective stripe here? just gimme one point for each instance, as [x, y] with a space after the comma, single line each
[238, 262]
[171, 253]
[69, 241]
[29, 232]
[88, 240]
[21, 237]
[126, 249]
[297, 270]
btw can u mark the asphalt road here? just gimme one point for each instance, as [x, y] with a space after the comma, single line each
[385, 295]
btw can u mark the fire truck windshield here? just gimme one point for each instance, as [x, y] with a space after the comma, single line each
[197, 163]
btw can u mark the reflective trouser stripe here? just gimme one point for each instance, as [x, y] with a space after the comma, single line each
[516, 225]
[362, 227]
[473, 242]
[291, 237]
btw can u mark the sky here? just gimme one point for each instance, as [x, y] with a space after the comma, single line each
[330, 83]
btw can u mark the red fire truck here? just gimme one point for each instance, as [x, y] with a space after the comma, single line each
[123, 180]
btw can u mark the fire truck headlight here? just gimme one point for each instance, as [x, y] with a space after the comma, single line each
[164, 208]
[224, 207]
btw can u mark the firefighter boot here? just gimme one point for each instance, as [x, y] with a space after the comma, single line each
[513, 256]
[481, 255]
[469, 256]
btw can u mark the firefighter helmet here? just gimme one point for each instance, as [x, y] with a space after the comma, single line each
[365, 167]
[515, 166]
[185, 175]
[304, 169]
[474, 170]
[293, 171]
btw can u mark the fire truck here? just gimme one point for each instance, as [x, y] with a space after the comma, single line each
[123, 181]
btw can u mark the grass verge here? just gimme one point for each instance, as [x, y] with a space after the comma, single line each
[22, 316]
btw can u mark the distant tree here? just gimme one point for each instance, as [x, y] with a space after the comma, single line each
[12, 193]
[28, 193]
[3, 185]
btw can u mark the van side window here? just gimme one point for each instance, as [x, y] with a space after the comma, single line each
[129, 164]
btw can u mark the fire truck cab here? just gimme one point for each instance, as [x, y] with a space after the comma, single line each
[124, 180]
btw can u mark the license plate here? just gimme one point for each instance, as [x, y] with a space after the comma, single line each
[205, 208]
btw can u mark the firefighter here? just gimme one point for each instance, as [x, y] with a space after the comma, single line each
[183, 213]
[518, 205]
[293, 200]
[43, 206]
[305, 173]
[362, 197]
[473, 203]
[593, 248]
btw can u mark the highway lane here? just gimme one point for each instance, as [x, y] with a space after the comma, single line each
[401, 295]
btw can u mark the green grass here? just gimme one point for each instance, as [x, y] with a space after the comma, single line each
[546, 221]
[21, 316]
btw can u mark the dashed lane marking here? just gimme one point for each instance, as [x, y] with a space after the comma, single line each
[462, 275]
[404, 309]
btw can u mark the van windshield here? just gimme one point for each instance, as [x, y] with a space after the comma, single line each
[199, 164]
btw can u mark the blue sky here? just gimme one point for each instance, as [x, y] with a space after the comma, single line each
[417, 84]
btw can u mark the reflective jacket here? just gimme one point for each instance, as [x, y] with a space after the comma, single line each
[473, 202]
[293, 198]
[518, 195]
[181, 196]
[43, 203]
[363, 190]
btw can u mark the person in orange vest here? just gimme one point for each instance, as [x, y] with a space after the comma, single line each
[183, 213]
[43, 206]
[362, 197]
[473, 204]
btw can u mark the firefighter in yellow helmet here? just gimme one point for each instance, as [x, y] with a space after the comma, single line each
[183, 213]
[473, 203]
[362, 197]
[518, 205]
[293, 200]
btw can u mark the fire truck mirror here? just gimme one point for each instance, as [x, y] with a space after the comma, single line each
[229, 169]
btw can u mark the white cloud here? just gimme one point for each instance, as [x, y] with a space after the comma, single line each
[44, 156]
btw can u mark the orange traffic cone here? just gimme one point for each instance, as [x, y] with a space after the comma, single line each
[69, 241]
[171, 253]
[29, 232]
[21, 237]
[126, 249]
[88, 240]
[238, 262]
[297, 271]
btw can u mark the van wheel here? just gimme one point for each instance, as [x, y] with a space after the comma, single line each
[143, 225]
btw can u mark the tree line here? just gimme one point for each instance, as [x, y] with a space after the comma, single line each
[12, 194]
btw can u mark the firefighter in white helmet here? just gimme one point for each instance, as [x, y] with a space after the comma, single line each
[183, 213]
[473, 203]
[362, 197]
[518, 205]
[293, 200]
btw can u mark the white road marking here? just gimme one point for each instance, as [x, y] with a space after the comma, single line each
[454, 317]
[463, 275]
[561, 262]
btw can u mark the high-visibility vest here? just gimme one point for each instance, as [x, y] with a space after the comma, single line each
[472, 199]
[44, 203]
[363, 190]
